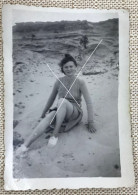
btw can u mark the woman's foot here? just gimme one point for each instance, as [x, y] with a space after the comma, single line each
[52, 141]
[21, 151]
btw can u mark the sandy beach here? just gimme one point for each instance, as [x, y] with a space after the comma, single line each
[78, 152]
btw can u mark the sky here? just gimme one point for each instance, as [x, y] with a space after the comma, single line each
[45, 16]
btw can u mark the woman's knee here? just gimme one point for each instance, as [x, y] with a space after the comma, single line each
[68, 106]
[49, 116]
[62, 102]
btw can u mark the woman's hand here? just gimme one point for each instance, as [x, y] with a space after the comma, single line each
[91, 127]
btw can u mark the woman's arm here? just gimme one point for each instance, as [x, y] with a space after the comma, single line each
[88, 101]
[51, 99]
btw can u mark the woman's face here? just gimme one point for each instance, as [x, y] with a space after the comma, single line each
[69, 68]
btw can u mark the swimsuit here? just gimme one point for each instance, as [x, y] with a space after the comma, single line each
[76, 93]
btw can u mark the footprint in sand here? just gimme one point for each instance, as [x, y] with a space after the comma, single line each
[19, 91]
[32, 81]
[29, 164]
[96, 114]
[116, 166]
[84, 170]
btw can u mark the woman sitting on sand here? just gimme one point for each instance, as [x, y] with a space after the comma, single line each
[68, 112]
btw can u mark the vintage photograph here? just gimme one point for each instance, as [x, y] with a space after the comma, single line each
[65, 93]
[67, 99]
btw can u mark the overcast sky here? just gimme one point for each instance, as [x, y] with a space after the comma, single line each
[45, 16]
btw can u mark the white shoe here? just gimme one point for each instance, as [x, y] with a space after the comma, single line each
[21, 150]
[52, 141]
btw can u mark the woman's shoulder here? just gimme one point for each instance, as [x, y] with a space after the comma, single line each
[81, 81]
[60, 79]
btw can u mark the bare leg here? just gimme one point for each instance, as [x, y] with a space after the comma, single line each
[44, 123]
[65, 111]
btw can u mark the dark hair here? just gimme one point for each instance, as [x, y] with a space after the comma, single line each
[67, 58]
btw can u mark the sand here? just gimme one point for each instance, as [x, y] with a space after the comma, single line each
[78, 153]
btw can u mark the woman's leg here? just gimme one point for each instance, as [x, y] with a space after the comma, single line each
[44, 123]
[65, 111]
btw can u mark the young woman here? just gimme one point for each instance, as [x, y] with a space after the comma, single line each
[68, 112]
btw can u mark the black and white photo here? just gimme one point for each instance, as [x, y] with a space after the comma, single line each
[65, 89]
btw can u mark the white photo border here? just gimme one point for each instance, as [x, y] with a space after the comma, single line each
[126, 158]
